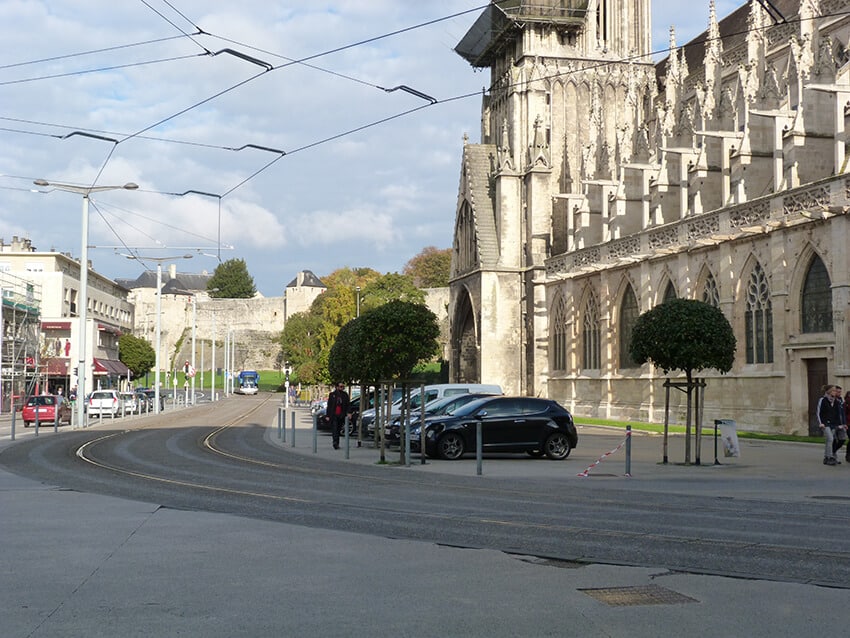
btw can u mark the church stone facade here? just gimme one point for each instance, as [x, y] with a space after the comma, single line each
[604, 184]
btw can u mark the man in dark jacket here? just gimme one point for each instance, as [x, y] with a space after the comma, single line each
[336, 411]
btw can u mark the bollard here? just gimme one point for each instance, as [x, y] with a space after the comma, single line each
[346, 425]
[293, 428]
[37, 422]
[478, 448]
[628, 450]
[315, 434]
[407, 439]
[56, 417]
[14, 413]
[281, 430]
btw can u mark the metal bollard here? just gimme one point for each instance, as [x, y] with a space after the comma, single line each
[478, 448]
[407, 441]
[628, 450]
[14, 413]
[346, 426]
[293, 428]
[37, 422]
[56, 418]
[315, 434]
[281, 430]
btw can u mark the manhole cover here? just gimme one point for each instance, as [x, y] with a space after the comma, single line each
[639, 595]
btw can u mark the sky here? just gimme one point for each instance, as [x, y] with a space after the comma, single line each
[255, 130]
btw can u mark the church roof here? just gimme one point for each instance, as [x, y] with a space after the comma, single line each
[733, 32]
[476, 166]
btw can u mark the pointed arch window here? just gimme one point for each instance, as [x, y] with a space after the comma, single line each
[816, 302]
[758, 318]
[628, 317]
[669, 292]
[559, 335]
[591, 335]
[710, 293]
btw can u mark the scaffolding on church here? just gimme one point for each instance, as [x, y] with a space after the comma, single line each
[20, 324]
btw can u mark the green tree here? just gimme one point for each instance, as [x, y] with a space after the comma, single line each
[137, 354]
[430, 268]
[390, 287]
[385, 343]
[231, 280]
[299, 343]
[686, 335]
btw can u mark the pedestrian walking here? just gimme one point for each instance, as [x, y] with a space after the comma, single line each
[830, 413]
[337, 409]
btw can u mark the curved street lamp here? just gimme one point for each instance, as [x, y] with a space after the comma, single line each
[82, 313]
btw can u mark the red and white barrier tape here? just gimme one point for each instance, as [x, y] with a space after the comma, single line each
[604, 456]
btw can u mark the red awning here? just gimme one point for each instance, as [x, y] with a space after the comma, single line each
[110, 329]
[110, 367]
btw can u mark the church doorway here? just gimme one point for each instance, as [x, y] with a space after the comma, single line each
[817, 377]
[465, 348]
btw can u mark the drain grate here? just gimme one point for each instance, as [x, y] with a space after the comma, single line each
[639, 595]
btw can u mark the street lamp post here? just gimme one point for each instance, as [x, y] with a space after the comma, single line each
[358, 300]
[82, 312]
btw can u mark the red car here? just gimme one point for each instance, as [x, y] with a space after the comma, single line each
[46, 404]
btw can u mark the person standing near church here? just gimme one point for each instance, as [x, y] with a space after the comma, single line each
[337, 409]
[830, 413]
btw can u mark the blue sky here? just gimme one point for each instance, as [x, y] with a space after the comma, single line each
[179, 104]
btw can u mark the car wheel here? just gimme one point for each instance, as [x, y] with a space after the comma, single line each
[557, 446]
[27, 423]
[450, 446]
[535, 453]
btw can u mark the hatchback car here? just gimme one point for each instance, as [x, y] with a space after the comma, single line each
[508, 424]
[131, 403]
[105, 403]
[46, 406]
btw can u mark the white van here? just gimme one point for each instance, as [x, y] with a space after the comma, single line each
[432, 392]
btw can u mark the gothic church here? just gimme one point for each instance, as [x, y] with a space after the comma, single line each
[604, 183]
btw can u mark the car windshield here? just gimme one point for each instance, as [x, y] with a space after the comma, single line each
[40, 401]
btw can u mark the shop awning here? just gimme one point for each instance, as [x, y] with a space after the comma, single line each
[55, 325]
[110, 367]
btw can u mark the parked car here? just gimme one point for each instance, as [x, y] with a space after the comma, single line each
[131, 404]
[105, 403]
[437, 391]
[46, 406]
[433, 409]
[144, 402]
[150, 393]
[508, 424]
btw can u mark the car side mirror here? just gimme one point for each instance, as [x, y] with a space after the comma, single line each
[481, 414]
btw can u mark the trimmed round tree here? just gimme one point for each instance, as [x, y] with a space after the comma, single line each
[686, 335]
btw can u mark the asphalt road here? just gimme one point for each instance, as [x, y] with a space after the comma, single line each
[218, 458]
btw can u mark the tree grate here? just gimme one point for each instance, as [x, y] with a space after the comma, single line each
[639, 595]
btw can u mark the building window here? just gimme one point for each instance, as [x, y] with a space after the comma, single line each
[816, 303]
[590, 335]
[710, 293]
[669, 292]
[559, 335]
[758, 319]
[628, 317]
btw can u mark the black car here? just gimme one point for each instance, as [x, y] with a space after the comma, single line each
[508, 424]
[436, 408]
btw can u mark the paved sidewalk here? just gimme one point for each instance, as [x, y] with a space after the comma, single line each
[76, 564]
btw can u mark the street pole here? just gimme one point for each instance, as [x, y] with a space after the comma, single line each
[194, 367]
[82, 302]
[158, 334]
[212, 376]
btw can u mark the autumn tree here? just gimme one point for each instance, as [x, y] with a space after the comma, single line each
[686, 335]
[231, 280]
[430, 268]
[137, 354]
